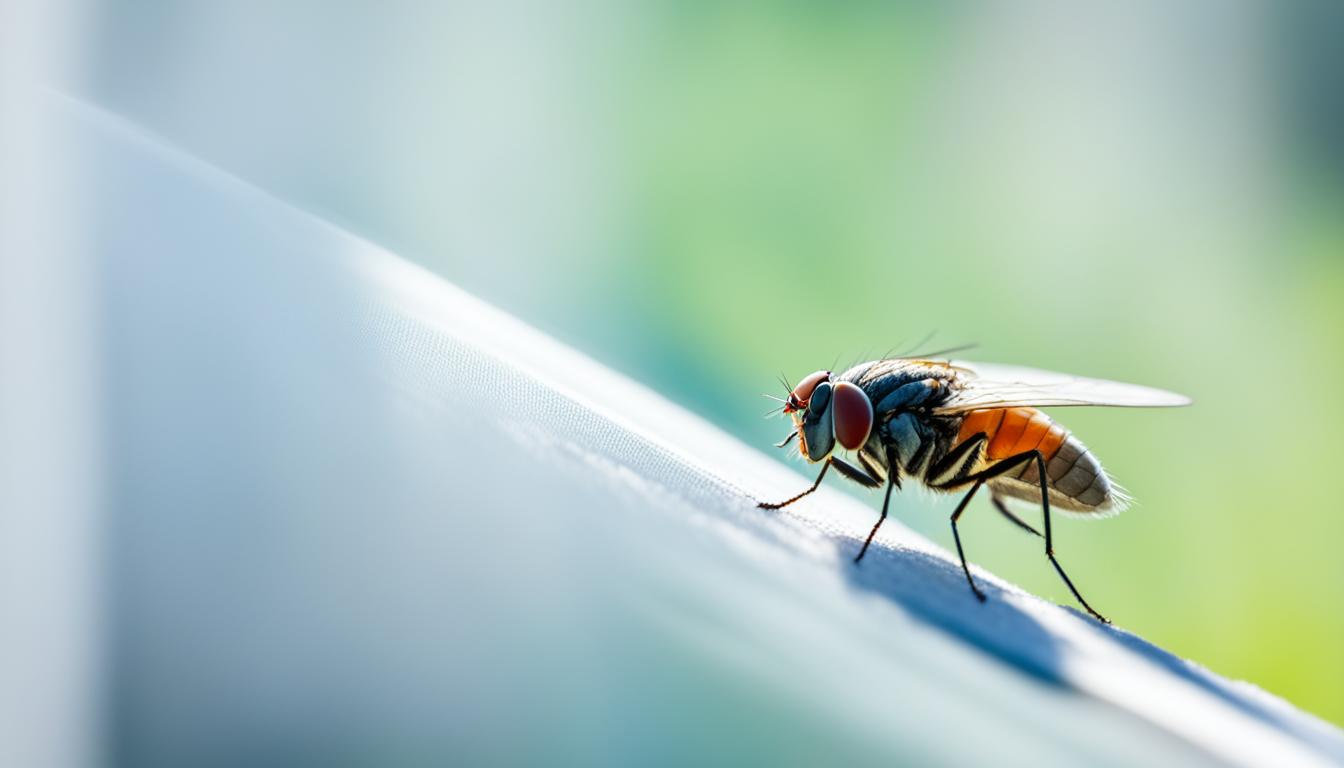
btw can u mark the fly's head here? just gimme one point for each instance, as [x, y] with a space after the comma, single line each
[826, 413]
[802, 394]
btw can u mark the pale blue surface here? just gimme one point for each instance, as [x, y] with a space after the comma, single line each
[356, 517]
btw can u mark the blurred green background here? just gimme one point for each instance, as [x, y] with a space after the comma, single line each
[706, 195]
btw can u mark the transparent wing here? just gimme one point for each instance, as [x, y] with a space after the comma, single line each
[985, 385]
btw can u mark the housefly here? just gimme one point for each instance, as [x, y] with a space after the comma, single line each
[956, 426]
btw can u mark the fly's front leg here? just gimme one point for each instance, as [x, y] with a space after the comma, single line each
[815, 485]
[854, 473]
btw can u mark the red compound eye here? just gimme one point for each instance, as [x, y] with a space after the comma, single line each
[803, 392]
[853, 414]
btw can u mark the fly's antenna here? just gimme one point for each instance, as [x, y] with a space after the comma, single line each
[782, 402]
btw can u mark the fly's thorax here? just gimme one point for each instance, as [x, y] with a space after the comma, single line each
[915, 440]
[893, 385]
[903, 394]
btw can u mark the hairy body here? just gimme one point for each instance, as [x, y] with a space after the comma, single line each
[909, 399]
[961, 426]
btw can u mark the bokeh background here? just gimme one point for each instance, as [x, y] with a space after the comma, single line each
[706, 195]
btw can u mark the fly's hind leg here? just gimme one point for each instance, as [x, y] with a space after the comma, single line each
[1003, 509]
[1049, 545]
[1013, 462]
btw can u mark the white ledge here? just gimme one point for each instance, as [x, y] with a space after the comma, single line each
[360, 511]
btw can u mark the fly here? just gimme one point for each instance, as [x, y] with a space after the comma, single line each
[960, 426]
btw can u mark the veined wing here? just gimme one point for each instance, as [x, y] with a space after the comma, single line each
[985, 385]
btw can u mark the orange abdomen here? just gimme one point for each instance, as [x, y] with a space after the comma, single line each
[1074, 477]
[1014, 430]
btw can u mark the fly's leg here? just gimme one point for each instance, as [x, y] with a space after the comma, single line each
[854, 473]
[979, 479]
[1012, 462]
[885, 502]
[815, 485]
[1049, 546]
[1008, 513]
[953, 470]
[893, 481]
[961, 507]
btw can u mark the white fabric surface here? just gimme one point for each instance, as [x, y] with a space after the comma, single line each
[356, 515]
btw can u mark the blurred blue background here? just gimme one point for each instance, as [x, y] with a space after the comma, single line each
[705, 195]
